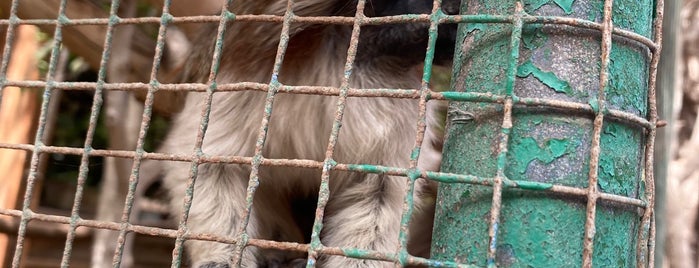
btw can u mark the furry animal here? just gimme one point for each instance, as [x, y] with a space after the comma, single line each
[364, 210]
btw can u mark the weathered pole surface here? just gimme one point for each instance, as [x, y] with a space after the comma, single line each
[546, 131]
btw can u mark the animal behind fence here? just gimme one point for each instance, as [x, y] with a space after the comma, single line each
[339, 208]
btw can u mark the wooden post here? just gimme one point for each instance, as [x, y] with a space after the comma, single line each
[18, 113]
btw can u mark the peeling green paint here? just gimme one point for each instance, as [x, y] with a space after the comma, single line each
[531, 157]
[615, 224]
[625, 90]
[537, 186]
[367, 168]
[355, 253]
[594, 104]
[630, 15]
[621, 159]
[533, 37]
[545, 147]
[535, 4]
[634, 15]
[476, 26]
[566, 5]
[530, 150]
[548, 78]
[467, 96]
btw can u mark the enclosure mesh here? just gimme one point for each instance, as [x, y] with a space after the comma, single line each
[424, 94]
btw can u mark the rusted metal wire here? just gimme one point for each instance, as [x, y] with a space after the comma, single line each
[329, 162]
[646, 243]
[580, 23]
[145, 123]
[9, 40]
[315, 248]
[267, 244]
[414, 171]
[34, 162]
[197, 151]
[592, 191]
[504, 136]
[254, 180]
[89, 137]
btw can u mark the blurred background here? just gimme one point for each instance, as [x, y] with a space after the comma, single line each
[117, 126]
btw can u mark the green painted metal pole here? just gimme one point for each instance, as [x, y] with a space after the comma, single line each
[552, 133]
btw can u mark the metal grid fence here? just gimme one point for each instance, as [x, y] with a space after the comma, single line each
[315, 248]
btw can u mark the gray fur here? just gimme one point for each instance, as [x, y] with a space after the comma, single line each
[364, 210]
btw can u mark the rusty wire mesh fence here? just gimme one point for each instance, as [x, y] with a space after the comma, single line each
[499, 182]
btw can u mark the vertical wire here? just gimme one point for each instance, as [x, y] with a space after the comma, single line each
[414, 171]
[203, 125]
[592, 191]
[254, 180]
[9, 43]
[38, 142]
[650, 249]
[94, 115]
[646, 242]
[145, 124]
[505, 131]
[329, 163]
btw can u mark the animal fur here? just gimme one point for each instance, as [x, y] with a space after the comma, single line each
[364, 210]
